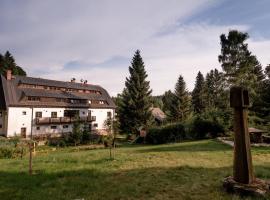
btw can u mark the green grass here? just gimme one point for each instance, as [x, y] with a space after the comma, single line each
[190, 170]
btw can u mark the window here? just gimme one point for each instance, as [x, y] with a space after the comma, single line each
[53, 114]
[53, 127]
[33, 99]
[38, 114]
[93, 118]
[65, 126]
[95, 125]
[109, 115]
[23, 112]
[38, 128]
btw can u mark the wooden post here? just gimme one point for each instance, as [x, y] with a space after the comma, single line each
[30, 158]
[31, 146]
[242, 166]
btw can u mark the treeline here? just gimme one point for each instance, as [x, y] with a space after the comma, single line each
[208, 103]
[7, 61]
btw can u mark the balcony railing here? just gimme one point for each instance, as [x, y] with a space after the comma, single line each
[62, 120]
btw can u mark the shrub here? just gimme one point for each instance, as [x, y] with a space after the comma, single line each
[166, 134]
[12, 152]
[202, 128]
[6, 152]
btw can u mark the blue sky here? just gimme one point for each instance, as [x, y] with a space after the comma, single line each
[95, 40]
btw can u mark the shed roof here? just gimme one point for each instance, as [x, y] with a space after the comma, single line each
[255, 130]
[158, 114]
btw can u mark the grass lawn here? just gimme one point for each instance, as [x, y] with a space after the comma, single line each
[190, 170]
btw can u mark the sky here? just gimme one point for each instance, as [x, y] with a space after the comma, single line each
[96, 40]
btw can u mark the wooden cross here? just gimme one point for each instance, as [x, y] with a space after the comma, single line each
[242, 165]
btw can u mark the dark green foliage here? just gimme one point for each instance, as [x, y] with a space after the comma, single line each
[76, 135]
[156, 101]
[240, 66]
[260, 109]
[267, 71]
[8, 62]
[198, 96]
[214, 90]
[166, 134]
[202, 128]
[180, 105]
[167, 100]
[216, 99]
[86, 134]
[134, 107]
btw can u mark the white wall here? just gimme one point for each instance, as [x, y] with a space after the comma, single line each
[101, 116]
[46, 112]
[16, 120]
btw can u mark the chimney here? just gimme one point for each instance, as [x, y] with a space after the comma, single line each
[8, 74]
[73, 80]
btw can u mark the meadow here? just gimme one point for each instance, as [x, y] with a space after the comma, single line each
[188, 170]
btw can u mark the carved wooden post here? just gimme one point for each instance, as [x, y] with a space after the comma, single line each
[242, 166]
[30, 157]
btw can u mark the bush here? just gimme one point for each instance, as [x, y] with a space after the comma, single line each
[166, 134]
[6, 152]
[202, 128]
[12, 152]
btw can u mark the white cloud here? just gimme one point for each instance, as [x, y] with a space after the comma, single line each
[46, 35]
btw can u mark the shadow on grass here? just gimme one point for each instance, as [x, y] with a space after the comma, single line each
[193, 146]
[181, 182]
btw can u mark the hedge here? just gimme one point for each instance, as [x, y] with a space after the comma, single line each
[166, 134]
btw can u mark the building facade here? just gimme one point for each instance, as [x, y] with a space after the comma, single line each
[40, 106]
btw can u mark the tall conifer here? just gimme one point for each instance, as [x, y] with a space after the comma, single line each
[198, 94]
[136, 99]
[180, 106]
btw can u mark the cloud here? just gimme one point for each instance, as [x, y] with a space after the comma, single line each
[96, 40]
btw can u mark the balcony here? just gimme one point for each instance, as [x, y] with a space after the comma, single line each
[62, 120]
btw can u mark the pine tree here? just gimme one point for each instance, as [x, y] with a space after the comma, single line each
[7, 61]
[134, 109]
[240, 66]
[198, 94]
[180, 106]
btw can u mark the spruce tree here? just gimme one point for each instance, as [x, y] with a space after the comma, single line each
[136, 98]
[198, 94]
[7, 61]
[180, 105]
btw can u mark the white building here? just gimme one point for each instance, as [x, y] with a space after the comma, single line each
[43, 106]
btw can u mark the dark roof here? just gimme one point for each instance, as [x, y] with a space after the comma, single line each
[11, 94]
[255, 130]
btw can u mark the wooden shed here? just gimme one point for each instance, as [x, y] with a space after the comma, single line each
[256, 135]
